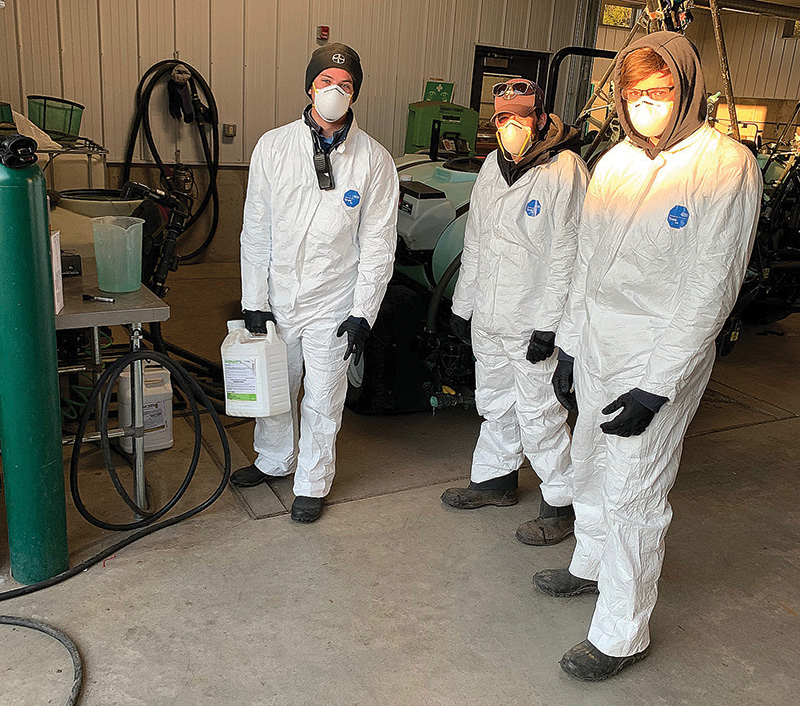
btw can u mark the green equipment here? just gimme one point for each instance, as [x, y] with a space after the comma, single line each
[457, 122]
[58, 117]
[6, 118]
[30, 416]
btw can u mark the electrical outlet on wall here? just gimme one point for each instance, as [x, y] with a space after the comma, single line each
[229, 130]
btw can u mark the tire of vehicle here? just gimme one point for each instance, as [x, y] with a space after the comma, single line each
[389, 378]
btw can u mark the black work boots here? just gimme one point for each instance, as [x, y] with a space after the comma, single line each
[248, 476]
[305, 509]
[560, 583]
[500, 491]
[587, 663]
[552, 525]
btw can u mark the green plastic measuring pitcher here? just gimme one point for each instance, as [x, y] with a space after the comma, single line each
[118, 253]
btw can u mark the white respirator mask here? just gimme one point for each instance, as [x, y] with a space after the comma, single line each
[648, 117]
[514, 137]
[331, 102]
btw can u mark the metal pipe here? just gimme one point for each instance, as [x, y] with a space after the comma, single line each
[137, 402]
[97, 361]
[723, 66]
[96, 436]
[555, 65]
[785, 12]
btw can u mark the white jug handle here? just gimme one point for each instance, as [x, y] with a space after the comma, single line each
[272, 332]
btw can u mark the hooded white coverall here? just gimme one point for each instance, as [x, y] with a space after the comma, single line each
[519, 252]
[313, 258]
[663, 248]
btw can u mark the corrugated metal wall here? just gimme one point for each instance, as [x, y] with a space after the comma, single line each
[762, 63]
[254, 54]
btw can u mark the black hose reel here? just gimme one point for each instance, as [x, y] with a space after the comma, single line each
[186, 101]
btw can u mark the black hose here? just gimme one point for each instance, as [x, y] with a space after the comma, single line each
[77, 662]
[213, 162]
[438, 293]
[156, 337]
[147, 525]
[144, 92]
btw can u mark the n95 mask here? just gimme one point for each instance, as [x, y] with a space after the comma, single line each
[514, 137]
[331, 102]
[648, 117]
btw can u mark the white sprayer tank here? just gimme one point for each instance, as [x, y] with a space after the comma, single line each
[256, 372]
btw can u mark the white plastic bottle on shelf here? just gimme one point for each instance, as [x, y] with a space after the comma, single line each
[256, 372]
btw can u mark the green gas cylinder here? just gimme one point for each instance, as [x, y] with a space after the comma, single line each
[30, 419]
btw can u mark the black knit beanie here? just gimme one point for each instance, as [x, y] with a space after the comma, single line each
[335, 56]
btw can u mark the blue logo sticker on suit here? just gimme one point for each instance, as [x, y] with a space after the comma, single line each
[533, 208]
[678, 217]
[352, 198]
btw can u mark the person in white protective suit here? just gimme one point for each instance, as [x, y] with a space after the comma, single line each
[666, 234]
[317, 252]
[519, 251]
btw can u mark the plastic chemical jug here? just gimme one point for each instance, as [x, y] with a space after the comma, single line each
[157, 395]
[118, 253]
[256, 372]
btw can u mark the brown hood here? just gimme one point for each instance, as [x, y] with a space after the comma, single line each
[690, 108]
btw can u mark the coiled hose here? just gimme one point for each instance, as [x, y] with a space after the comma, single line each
[149, 522]
[77, 662]
[192, 392]
[144, 92]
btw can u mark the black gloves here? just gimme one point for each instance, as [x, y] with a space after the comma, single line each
[357, 330]
[179, 101]
[562, 385]
[461, 328]
[256, 321]
[541, 346]
[634, 418]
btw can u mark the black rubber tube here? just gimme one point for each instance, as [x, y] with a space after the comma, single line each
[107, 380]
[163, 346]
[438, 293]
[144, 92]
[77, 662]
[149, 526]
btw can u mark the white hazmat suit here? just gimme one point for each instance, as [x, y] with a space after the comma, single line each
[663, 248]
[519, 251]
[313, 258]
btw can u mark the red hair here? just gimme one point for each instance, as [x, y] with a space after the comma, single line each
[640, 64]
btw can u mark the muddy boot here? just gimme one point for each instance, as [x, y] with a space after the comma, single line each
[500, 491]
[552, 525]
[587, 663]
[560, 583]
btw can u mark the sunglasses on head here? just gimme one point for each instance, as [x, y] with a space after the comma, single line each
[520, 88]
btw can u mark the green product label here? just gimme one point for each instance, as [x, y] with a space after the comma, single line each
[240, 379]
[243, 397]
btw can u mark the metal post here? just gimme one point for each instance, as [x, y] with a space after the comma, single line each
[137, 402]
[30, 420]
[97, 362]
[723, 66]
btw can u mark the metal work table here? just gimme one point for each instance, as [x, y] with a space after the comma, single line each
[83, 146]
[132, 309]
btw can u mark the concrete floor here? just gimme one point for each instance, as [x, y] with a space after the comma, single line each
[393, 599]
